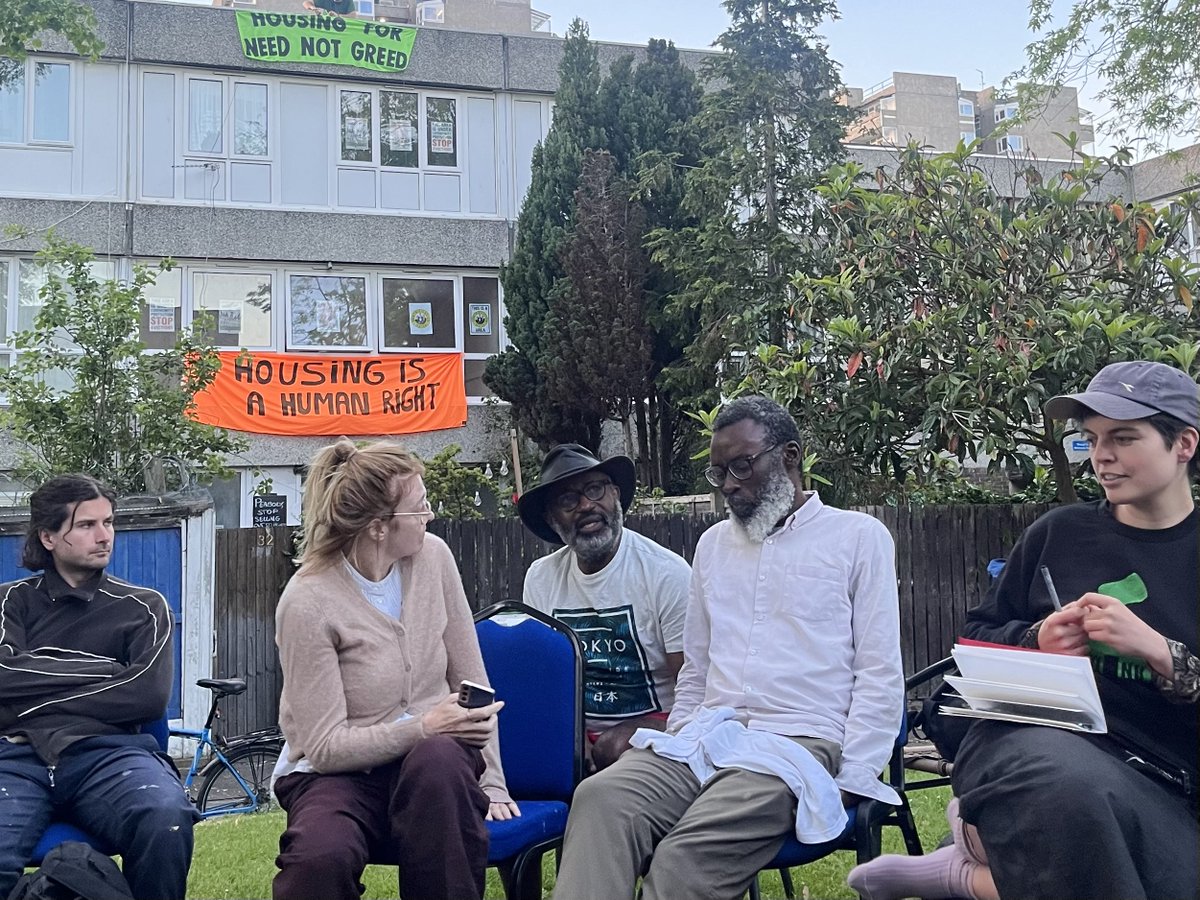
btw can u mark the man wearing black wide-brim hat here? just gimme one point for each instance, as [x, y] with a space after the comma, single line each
[622, 593]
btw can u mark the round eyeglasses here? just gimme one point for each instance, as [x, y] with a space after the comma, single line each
[740, 468]
[567, 501]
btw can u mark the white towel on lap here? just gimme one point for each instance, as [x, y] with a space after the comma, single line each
[715, 740]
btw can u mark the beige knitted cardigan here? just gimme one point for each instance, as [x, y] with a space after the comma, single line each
[356, 683]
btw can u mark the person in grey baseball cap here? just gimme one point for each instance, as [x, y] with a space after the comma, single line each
[1061, 814]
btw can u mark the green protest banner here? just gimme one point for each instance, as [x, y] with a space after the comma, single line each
[316, 38]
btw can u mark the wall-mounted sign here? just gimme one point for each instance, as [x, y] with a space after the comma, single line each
[308, 394]
[162, 318]
[320, 38]
[269, 510]
[480, 318]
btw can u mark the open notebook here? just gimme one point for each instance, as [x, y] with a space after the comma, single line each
[1017, 685]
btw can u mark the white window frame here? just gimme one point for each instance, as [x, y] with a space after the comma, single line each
[191, 302]
[369, 346]
[967, 136]
[966, 109]
[423, 97]
[456, 288]
[27, 106]
[1005, 111]
[229, 85]
[890, 135]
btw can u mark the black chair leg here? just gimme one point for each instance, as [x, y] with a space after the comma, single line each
[908, 829]
[524, 881]
[789, 891]
[755, 892]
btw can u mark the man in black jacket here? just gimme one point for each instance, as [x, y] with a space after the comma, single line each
[85, 660]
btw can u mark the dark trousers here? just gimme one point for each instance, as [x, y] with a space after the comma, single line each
[117, 788]
[424, 812]
[1062, 818]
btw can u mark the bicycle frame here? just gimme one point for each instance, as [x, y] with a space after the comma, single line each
[203, 738]
[206, 746]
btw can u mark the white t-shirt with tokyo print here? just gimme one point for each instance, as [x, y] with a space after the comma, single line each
[628, 617]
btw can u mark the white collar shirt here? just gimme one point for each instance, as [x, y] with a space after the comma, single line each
[800, 635]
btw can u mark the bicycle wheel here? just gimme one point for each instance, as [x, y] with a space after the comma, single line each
[221, 793]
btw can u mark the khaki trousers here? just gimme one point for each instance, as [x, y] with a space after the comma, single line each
[697, 843]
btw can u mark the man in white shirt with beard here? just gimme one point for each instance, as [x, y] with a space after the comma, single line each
[790, 695]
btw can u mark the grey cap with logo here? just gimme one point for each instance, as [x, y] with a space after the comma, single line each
[1132, 390]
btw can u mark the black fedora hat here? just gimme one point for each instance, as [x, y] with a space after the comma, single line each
[563, 462]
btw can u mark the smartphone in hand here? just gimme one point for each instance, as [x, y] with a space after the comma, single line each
[473, 696]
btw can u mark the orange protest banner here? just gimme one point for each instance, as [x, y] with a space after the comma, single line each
[308, 394]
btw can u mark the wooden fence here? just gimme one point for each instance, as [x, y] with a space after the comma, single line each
[941, 558]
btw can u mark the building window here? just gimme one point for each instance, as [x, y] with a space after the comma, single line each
[481, 315]
[356, 126]
[1007, 111]
[205, 116]
[327, 312]
[35, 102]
[967, 136]
[1013, 142]
[441, 127]
[236, 307]
[966, 109]
[890, 135]
[162, 310]
[398, 129]
[888, 103]
[418, 312]
[249, 119]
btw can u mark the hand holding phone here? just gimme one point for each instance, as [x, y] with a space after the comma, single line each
[473, 696]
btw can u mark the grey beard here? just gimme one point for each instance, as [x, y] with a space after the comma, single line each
[596, 548]
[774, 502]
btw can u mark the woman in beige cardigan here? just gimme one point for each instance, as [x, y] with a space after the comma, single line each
[374, 636]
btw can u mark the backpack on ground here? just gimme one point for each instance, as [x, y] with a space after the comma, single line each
[73, 871]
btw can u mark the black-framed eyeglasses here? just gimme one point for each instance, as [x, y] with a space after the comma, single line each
[567, 501]
[740, 468]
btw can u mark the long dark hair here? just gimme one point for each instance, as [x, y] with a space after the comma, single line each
[49, 507]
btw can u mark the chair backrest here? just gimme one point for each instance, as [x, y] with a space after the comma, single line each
[160, 730]
[535, 665]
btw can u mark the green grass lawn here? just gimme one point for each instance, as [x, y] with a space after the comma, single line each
[235, 858]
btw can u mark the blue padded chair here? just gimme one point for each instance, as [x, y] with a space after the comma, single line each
[59, 832]
[535, 665]
[864, 830]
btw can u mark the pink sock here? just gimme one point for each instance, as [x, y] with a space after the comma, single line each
[972, 848]
[940, 874]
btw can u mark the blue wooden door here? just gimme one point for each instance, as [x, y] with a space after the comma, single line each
[152, 558]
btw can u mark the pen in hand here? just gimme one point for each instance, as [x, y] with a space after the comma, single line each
[1050, 588]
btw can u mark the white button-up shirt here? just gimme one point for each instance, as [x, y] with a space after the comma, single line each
[800, 635]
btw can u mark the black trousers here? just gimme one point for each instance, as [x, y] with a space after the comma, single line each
[425, 811]
[1062, 817]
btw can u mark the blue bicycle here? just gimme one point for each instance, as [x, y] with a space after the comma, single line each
[229, 775]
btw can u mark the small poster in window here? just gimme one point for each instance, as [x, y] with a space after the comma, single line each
[480, 316]
[162, 318]
[356, 133]
[420, 318]
[401, 137]
[229, 321]
[441, 137]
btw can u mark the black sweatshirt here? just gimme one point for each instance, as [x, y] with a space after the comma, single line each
[1084, 546]
[81, 662]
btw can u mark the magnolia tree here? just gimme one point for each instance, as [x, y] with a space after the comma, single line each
[946, 313]
[85, 396]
